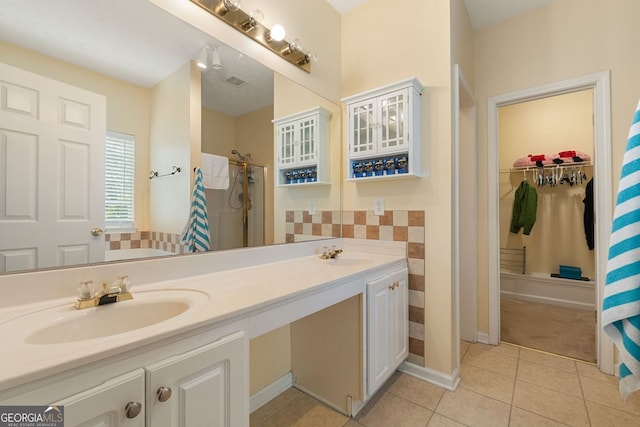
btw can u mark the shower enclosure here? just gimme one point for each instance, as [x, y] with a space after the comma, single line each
[236, 215]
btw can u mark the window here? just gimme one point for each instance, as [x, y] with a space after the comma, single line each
[118, 181]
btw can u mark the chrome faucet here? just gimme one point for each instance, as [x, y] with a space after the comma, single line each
[118, 291]
[330, 253]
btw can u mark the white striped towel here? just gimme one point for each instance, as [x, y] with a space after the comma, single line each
[196, 233]
[621, 303]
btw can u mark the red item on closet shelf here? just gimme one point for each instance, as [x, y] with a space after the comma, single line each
[537, 157]
[570, 153]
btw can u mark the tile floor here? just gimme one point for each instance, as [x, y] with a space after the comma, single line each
[501, 385]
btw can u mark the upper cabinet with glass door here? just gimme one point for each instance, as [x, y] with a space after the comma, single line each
[302, 147]
[384, 131]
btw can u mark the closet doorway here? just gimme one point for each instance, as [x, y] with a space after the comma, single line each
[545, 150]
[600, 83]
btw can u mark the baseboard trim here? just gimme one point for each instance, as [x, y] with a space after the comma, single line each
[540, 299]
[449, 382]
[482, 337]
[321, 399]
[271, 391]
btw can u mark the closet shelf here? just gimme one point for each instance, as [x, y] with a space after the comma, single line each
[553, 166]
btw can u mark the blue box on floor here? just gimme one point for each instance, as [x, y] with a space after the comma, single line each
[570, 272]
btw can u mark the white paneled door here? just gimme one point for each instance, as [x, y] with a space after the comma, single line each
[51, 172]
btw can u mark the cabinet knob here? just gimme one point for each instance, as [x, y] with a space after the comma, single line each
[133, 409]
[164, 393]
[395, 285]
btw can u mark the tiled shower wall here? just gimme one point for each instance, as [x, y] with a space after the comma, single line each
[399, 225]
[144, 239]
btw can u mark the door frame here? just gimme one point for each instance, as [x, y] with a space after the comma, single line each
[465, 137]
[600, 83]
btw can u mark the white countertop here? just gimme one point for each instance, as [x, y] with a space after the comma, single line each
[214, 298]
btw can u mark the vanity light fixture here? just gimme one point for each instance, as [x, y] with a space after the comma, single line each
[255, 17]
[203, 58]
[277, 33]
[250, 24]
[226, 6]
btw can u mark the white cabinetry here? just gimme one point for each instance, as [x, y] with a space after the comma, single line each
[383, 131]
[302, 147]
[118, 402]
[199, 381]
[200, 387]
[387, 327]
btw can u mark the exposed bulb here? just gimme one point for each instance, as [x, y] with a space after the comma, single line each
[297, 45]
[277, 33]
[232, 5]
[257, 15]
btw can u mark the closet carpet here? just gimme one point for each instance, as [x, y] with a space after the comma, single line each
[559, 330]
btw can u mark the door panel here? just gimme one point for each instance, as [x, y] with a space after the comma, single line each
[52, 193]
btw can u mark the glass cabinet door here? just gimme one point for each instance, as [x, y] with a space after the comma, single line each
[307, 144]
[393, 127]
[362, 123]
[287, 140]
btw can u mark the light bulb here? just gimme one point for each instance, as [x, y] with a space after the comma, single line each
[257, 15]
[232, 5]
[277, 33]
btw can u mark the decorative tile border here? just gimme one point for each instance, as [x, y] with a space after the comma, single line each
[144, 239]
[321, 224]
[400, 225]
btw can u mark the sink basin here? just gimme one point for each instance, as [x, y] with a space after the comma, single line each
[65, 324]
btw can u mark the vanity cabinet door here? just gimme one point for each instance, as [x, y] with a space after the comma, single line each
[363, 120]
[387, 327]
[286, 134]
[207, 387]
[393, 115]
[118, 402]
[307, 141]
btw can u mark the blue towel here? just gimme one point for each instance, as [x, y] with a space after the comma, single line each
[621, 304]
[196, 233]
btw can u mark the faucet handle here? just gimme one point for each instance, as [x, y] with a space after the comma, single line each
[124, 283]
[85, 290]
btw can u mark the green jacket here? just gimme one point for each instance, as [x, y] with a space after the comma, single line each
[525, 205]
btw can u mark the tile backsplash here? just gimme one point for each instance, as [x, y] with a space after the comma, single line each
[398, 225]
[144, 239]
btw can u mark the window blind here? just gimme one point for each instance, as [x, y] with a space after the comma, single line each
[119, 184]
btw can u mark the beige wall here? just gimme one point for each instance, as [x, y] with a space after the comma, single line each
[254, 132]
[269, 358]
[547, 126]
[128, 109]
[218, 133]
[565, 39]
[376, 51]
[175, 141]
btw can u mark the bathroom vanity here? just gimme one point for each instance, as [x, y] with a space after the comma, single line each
[178, 352]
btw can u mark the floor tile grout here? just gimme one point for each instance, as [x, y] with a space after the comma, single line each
[483, 387]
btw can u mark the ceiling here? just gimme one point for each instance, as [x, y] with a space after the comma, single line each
[483, 13]
[135, 41]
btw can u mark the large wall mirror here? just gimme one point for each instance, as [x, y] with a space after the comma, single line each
[142, 60]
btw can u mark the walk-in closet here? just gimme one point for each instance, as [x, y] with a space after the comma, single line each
[547, 261]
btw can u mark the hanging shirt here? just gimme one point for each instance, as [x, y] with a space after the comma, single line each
[525, 205]
[588, 215]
